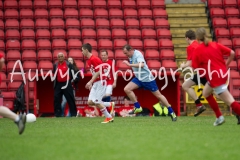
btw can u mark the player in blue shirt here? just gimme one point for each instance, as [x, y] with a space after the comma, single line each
[143, 79]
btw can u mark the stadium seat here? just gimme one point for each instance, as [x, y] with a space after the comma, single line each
[229, 3]
[132, 24]
[29, 55]
[3, 86]
[27, 65]
[146, 23]
[128, 4]
[87, 23]
[84, 4]
[233, 23]
[155, 4]
[55, 4]
[95, 53]
[233, 65]
[134, 34]
[236, 43]
[145, 13]
[103, 34]
[59, 44]
[121, 66]
[2, 36]
[55, 13]
[72, 23]
[118, 34]
[1, 14]
[42, 34]
[93, 43]
[27, 34]
[115, 14]
[222, 33]
[11, 14]
[1, 25]
[76, 54]
[150, 44]
[73, 33]
[40, 4]
[14, 86]
[43, 44]
[167, 54]
[58, 34]
[3, 76]
[41, 14]
[10, 66]
[2, 45]
[130, 13]
[226, 42]
[89, 34]
[26, 14]
[12, 34]
[215, 4]
[25, 5]
[42, 24]
[102, 24]
[217, 12]
[151, 54]
[26, 24]
[45, 66]
[10, 5]
[57, 23]
[1, 5]
[238, 3]
[57, 51]
[117, 24]
[219, 23]
[143, 5]
[100, 13]
[13, 55]
[159, 13]
[119, 43]
[12, 44]
[44, 55]
[231, 12]
[70, 13]
[164, 34]
[114, 4]
[85, 13]
[165, 44]
[154, 64]
[80, 64]
[161, 23]
[105, 44]
[74, 44]
[99, 4]
[169, 64]
[8, 96]
[136, 43]
[11, 24]
[149, 34]
[119, 54]
[69, 4]
[235, 32]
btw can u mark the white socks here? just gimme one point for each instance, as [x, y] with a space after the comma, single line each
[105, 112]
[107, 104]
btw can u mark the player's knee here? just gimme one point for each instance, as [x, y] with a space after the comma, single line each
[126, 90]
[185, 87]
[205, 94]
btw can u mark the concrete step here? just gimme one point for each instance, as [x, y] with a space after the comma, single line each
[182, 15]
[188, 25]
[179, 41]
[183, 35]
[180, 45]
[188, 20]
[179, 61]
[178, 5]
[180, 53]
[183, 30]
[185, 10]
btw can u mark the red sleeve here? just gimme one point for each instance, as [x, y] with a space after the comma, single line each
[225, 50]
[196, 60]
[189, 53]
[95, 62]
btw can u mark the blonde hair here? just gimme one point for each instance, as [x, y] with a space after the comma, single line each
[201, 35]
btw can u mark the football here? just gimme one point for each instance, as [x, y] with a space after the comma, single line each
[31, 118]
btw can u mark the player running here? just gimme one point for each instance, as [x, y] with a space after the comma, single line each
[144, 79]
[211, 53]
[97, 85]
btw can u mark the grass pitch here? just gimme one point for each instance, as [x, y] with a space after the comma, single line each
[143, 138]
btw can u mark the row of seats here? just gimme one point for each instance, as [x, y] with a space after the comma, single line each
[227, 33]
[224, 13]
[223, 3]
[226, 23]
[84, 24]
[83, 13]
[83, 4]
[233, 44]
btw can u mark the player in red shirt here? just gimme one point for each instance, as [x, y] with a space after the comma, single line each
[19, 120]
[210, 55]
[111, 81]
[97, 85]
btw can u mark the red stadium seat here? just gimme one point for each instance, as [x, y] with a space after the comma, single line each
[43, 44]
[100, 13]
[236, 43]
[235, 32]
[158, 4]
[105, 44]
[237, 54]
[25, 5]
[55, 4]
[27, 65]
[26, 14]
[154, 64]
[217, 12]
[3, 86]
[93, 43]
[14, 86]
[130, 13]
[238, 3]
[128, 4]
[119, 43]
[1, 5]
[222, 33]
[118, 34]
[10, 66]
[79, 64]
[45, 66]
[59, 44]
[72, 23]
[70, 13]
[44, 55]
[151, 54]
[167, 54]
[85, 13]
[145, 13]
[12, 44]
[95, 53]
[219, 23]
[121, 66]
[27, 34]
[69, 4]
[120, 55]
[233, 22]
[226, 42]
[117, 24]
[41, 14]
[42, 24]
[233, 65]
[149, 34]
[3, 76]
[134, 34]
[76, 54]
[136, 43]
[57, 23]
[161, 23]
[2, 45]
[55, 13]
[74, 44]
[84, 4]
[150, 44]
[56, 52]
[231, 12]
[114, 4]
[87, 23]
[40, 4]
[11, 14]
[143, 4]
[26, 24]
[102, 24]
[103, 34]
[42, 34]
[2, 37]
[99, 4]
[29, 55]
[169, 64]
[89, 34]
[215, 4]
[115, 13]
[159, 13]
[73, 33]
[12, 34]
[1, 25]
[165, 44]
[229, 3]
[11, 24]
[13, 55]
[9, 96]
[11, 5]
[58, 34]
[146, 23]
[132, 24]
[164, 34]
[1, 14]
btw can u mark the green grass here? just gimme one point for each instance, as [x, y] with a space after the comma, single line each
[144, 138]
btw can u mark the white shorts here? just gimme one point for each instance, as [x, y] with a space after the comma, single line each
[109, 89]
[97, 92]
[220, 89]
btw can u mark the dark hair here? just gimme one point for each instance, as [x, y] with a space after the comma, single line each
[74, 64]
[128, 47]
[190, 34]
[87, 46]
[126, 97]
[104, 51]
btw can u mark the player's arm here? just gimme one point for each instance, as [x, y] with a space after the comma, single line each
[230, 58]
[94, 77]
[187, 64]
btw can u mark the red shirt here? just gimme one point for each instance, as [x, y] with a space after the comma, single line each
[213, 52]
[63, 67]
[93, 62]
[110, 78]
[92, 112]
[124, 111]
[190, 49]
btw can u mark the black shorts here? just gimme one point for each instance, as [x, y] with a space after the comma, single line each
[203, 80]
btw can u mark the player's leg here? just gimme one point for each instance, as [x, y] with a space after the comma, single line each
[134, 84]
[20, 120]
[107, 100]
[57, 100]
[207, 93]
[68, 93]
[63, 105]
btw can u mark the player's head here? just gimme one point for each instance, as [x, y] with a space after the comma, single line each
[126, 100]
[104, 55]
[1, 61]
[128, 50]
[190, 36]
[60, 57]
[202, 36]
[86, 49]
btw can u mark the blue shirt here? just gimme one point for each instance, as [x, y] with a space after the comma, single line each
[142, 74]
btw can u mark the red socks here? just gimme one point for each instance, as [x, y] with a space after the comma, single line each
[213, 104]
[236, 107]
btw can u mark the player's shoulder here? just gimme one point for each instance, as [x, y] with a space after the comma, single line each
[138, 53]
